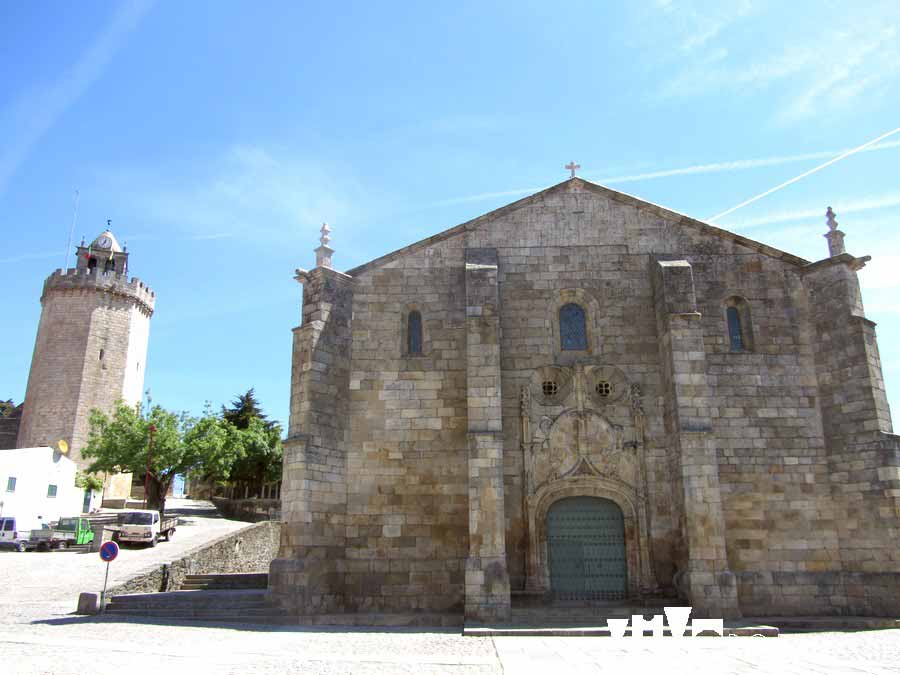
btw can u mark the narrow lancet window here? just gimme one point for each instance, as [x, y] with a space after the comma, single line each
[414, 333]
[572, 329]
[735, 334]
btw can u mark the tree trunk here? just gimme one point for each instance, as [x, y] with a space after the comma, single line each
[156, 493]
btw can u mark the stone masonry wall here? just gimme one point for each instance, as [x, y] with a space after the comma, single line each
[407, 521]
[248, 550]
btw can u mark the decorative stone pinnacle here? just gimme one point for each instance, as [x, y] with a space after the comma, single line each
[830, 217]
[573, 167]
[324, 252]
[835, 237]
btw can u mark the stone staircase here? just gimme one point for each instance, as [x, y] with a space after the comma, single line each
[243, 605]
[222, 582]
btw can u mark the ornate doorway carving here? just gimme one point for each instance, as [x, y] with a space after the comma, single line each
[582, 437]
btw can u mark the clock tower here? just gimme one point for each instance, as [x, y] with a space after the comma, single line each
[90, 351]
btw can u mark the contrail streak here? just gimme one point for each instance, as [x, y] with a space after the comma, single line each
[803, 175]
[736, 165]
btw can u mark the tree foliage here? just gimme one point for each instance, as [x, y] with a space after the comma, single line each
[88, 481]
[181, 444]
[260, 439]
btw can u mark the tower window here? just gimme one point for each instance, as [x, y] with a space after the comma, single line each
[572, 327]
[102, 354]
[109, 265]
[51, 490]
[414, 333]
[92, 263]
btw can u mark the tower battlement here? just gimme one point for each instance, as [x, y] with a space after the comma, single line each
[106, 282]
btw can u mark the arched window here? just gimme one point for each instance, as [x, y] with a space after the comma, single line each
[572, 328]
[734, 329]
[109, 265]
[414, 333]
[92, 263]
[740, 328]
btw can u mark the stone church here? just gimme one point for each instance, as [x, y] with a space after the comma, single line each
[582, 397]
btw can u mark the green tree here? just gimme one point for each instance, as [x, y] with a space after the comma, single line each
[181, 444]
[260, 459]
[88, 481]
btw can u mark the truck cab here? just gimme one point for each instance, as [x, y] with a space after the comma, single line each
[146, 527]
[67, 532]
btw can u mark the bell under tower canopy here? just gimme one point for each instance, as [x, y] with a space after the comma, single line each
[104, 253]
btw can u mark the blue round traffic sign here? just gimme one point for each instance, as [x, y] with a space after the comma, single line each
[109, 550]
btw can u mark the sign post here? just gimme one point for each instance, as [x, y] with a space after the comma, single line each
[108, 552]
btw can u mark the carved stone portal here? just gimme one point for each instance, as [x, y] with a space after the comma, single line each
[582, 435]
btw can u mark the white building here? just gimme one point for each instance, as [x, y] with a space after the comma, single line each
[38, 484]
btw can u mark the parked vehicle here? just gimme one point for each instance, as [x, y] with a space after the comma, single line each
[146, 527]
[16, 532]
[67, 532]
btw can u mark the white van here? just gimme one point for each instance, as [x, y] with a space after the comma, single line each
[14, 532]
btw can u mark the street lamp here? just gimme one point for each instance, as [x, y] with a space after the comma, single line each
[152, 430]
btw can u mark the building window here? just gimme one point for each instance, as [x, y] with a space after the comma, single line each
[102, 354]
[51, 490]
[414, 333]
[572, 328]
[734, 330]
[92, 263]
[109, 265]
[737, 319]
[11, 484]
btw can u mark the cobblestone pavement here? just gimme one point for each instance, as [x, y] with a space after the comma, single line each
[65, 646]
[43, 584]
[40, 635]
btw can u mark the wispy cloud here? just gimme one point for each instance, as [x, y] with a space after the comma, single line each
[803, 70]
[871, 203]
[22, 257]
[882, 272]
[249, 191]
[695, 169]
[34, 112]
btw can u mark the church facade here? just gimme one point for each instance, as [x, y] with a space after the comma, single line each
[584, 397]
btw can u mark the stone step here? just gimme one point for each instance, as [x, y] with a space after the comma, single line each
[195, 599]
[225, 581]
[738, 630]
[808, 624]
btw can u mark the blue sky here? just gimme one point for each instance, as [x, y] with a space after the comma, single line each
[217, 136]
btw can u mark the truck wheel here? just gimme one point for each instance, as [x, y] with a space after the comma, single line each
[63, 545]
[20, 547]
[43, 547]
[170, 534]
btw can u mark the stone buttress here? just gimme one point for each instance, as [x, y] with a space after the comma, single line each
[704, 574]
[487, 578]
[307, 576]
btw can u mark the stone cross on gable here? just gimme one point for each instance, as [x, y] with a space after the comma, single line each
[573, 167]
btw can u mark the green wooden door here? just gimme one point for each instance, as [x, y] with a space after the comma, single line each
[586, 546]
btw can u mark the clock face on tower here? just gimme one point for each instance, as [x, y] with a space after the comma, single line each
[104, 242]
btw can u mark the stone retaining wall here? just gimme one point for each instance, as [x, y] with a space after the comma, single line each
[248, 550]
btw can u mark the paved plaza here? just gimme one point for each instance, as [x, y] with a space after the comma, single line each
[40, 634]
